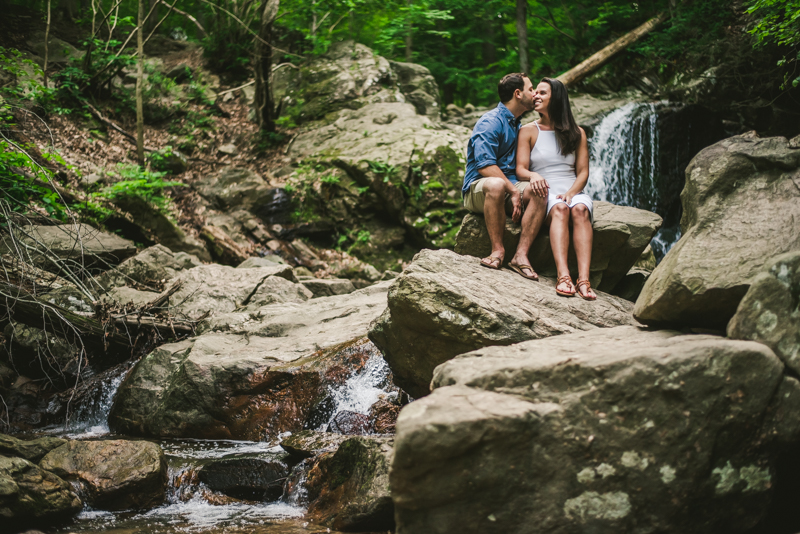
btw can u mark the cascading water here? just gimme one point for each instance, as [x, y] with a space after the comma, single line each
[625, 168]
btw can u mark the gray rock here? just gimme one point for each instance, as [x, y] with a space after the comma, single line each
[30, 495]
[631, 286]
[58, 51]
[246, 478]
[228, 149]
[266, 261]
[222, 289]
[607, 431]
[31, 450]
[38, 354]
[326, 287]
[151, 268]
[234, 187]
[620, 235]
[114, 474]
[128, 297]
[349, 489]
[418, 86]
[741, 204]
[445, 304]
[347, 75]
[76, 246]
[769, 311]
[169, 160]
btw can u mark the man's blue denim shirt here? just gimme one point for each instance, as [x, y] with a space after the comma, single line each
[493, 142]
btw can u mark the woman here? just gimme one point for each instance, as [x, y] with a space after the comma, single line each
[555, 147]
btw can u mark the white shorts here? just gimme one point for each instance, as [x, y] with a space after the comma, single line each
[580, 198]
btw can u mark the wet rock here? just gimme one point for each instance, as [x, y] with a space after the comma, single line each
[246, 478]
[383, 416]
[84, 245]
[310, 443]
[326, 287]
[347, 422]
[611, 430]
[31, 450]
[30, 495]
[233, 386]
[151, 268]
[349, 489]
[620, 235]
[769, 314]
[114, 474]
[222, 289]
[740, 204]
[445, 304]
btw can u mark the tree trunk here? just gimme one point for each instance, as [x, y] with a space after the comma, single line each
[263, 68]
[46, 44]
[522, 35]
[139, 87]
[152, 20]
[489, 49]
[409, 33]
[594, 62]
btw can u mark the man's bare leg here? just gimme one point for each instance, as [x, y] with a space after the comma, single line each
[535, 208]
[494, 211]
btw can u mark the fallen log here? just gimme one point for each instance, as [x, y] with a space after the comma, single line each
[597, 60]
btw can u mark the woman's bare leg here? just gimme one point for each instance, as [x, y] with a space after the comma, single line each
[559, 242]
[582, 236]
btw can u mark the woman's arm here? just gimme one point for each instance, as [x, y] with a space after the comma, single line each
[581, 169]
[525, 143]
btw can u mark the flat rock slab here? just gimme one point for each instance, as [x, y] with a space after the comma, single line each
[250, 375]
[81, 245]
[445, 304]
[607, 431]
[741, 207]
[114, 474]
[310, 443]
[769, 311]
[620, 235]
[30, 495]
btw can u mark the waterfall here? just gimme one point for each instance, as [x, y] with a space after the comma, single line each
[90, 418]
[624, 168]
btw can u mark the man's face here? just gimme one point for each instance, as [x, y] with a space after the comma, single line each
[527, 95]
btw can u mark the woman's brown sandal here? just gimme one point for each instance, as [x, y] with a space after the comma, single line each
[588, 287]
[565, 280]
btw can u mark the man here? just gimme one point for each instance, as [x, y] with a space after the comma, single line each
[490, 183]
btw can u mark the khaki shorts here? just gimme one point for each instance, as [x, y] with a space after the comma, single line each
[475, 197]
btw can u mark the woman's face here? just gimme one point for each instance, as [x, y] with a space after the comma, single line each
[541, 98]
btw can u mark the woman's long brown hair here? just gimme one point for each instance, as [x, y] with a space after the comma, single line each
[567, 132]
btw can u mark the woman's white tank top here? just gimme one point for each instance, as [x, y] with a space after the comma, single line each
[547, 160]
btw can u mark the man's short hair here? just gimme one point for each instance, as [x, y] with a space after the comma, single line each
[509, 84]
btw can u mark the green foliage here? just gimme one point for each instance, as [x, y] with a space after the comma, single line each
[28, 77]
[135, 182]
[778, 24]
[22, 181]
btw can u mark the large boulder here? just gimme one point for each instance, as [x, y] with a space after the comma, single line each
[769, 311]
[606, 431]
[236, 188]
[30, 495]
[445, 304]
[741, 204]
[79, 246]
[349, 489]
[620, 236]
[250, 375]
[31, 450]
[254, 479]
[115, 474]
[419, 87]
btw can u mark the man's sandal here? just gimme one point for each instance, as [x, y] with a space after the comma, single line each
[493, 263]
[520, 269]
[565, 280]
[588, 287]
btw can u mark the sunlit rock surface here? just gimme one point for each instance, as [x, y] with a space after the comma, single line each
[607, 431]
